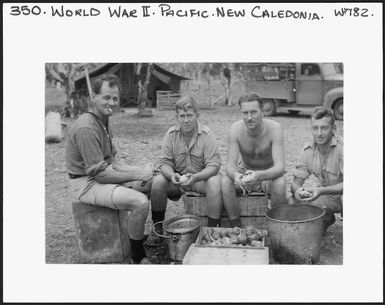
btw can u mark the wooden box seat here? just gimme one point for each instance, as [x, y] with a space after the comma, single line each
[102, 233]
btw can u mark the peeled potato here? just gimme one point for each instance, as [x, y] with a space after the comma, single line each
[246, 178]
[306, 194]
[183, 179]
[256, 243]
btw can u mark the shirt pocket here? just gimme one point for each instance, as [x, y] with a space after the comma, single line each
[197, 158]
[333, 173]
[180, 158]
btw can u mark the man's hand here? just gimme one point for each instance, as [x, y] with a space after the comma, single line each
[302, 194]
[238, 181]
[175, 178]
[250, 178]
[147, 173]
[191, 180]
[314, 193]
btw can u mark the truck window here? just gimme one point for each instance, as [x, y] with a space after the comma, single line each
[310, 69]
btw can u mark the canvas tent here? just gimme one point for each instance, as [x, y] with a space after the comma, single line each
[161, 79]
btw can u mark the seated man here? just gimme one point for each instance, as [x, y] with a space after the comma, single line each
[189, 161]
[259, 143]
[324, 158]
[95, 176]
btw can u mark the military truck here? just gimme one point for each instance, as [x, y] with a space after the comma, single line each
[296, 87]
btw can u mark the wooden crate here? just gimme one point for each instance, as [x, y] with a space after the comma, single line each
[252, 209]
[102, 233]
[199, 254]
[203, 231]
[166, 100]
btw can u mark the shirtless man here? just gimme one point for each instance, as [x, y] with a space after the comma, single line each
[259, 143]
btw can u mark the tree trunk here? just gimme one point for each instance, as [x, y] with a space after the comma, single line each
[227, 75]
[142, 96]
[210, 91]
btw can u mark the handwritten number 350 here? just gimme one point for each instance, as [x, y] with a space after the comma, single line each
[25, 10]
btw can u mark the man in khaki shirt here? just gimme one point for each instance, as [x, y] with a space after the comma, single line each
[323, 158]
[189, 161]
[96, 177]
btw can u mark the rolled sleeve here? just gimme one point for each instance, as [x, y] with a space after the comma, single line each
[166, 157]
[211, 153]
[302, 166]
[91, 151]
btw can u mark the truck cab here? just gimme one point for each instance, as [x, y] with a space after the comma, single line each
[296, 87]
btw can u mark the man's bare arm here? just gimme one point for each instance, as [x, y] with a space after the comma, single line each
[206, 173]
[232, 152]
[296, 184]
[111, 176]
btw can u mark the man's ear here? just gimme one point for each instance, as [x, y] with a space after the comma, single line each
[334, 128]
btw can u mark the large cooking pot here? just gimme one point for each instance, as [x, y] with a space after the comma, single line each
[295, 232]
[181, 232]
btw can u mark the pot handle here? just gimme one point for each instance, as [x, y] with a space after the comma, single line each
[174, 237]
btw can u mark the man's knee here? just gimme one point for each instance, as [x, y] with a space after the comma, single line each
[278, 185]
[213, 185]
[128, 199]
[227, 184]
[159, 184]
[141, 204]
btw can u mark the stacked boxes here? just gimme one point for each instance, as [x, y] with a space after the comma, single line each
[253, 209]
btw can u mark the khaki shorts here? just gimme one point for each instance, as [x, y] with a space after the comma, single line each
[87, 190]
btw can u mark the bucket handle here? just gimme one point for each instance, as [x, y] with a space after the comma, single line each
[173, 237]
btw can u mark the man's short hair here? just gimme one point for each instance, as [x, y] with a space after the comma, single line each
[111, 79]
[186, 103]
[323, 112]
[250, 97]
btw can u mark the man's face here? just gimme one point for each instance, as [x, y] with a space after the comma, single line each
[322, 130]
[106, 100]
[252, 115]
[187, 120]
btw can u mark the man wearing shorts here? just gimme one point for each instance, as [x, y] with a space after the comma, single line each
[324, 158]
[95, 175]
[190, 153]
[259, 143]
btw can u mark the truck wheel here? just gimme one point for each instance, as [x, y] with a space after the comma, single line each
[269, 107]
[338, 109]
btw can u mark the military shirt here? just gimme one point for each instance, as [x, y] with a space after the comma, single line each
[88, 147]
[200, 153]
[328, 169]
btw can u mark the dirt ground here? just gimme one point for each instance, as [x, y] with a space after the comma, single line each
[138, 141]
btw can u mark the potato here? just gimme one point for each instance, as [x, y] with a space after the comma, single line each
[305, 194]
[256, 243]
[237, 230]
[183, 179]
[246, 178]
[250, 230]
[252, 237]
[242, 239]
[216, 235]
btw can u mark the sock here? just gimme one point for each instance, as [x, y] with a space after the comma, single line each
[137, 250]
[156, 217]
[213, 222]
[235, 222]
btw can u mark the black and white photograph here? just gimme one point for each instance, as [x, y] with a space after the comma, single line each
[194, 163]
[193, 152]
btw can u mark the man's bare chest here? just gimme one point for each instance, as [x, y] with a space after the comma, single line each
[255, 148]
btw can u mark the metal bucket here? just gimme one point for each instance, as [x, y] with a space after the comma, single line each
[295, 232]
[181, 232]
